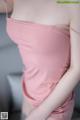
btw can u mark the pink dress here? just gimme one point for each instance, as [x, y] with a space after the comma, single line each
[45, 52]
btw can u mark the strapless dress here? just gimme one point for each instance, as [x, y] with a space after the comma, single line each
[45, 52]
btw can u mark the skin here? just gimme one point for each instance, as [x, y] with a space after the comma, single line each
[4, 3]
[51, 13]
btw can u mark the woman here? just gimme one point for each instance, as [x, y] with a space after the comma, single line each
[47, 35]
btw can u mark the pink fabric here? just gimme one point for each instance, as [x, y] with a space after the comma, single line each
[45, 52]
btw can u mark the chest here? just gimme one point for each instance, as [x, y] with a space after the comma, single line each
[41, 12]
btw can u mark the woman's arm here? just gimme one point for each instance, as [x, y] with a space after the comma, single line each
[4, 4]
[70, 79]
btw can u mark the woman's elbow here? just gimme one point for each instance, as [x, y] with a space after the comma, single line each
[6, 6]
[9, 7]
[9, 10]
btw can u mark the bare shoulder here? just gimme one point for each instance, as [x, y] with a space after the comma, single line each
[75, 16]
[74, 10]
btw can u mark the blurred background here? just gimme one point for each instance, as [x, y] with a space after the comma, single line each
[11, 67]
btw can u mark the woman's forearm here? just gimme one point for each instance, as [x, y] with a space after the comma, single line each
[6, 4]
[61, 92]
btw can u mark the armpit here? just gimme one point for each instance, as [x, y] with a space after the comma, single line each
[78, 32]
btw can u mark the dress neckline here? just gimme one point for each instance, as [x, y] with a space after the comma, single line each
[60, 26]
